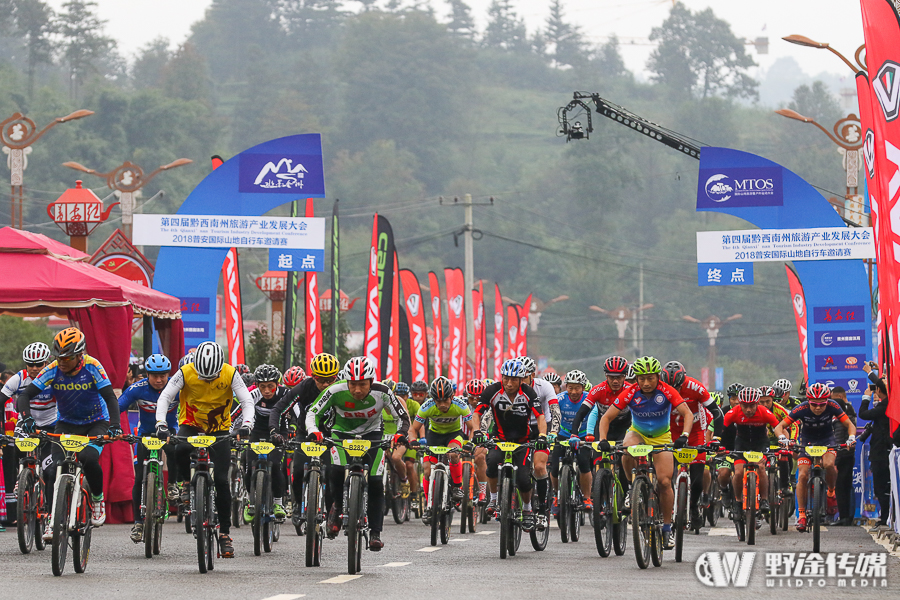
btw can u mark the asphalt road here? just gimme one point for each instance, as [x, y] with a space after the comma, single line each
[468, 567]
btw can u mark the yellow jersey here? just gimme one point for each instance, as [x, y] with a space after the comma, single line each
[206, 405]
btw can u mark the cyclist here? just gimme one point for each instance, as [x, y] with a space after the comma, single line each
[651, 402]
[726, 441]
[293, 406]
[782, 388]
[403, 459]
[602, 396]
[569, 405]
[146, 394]
[474, 389]
[512, 404]
[546, 394]
[85, 405]
[554, 380]
[815, 417]
[206, 387]
[357, 404]
[293, 377]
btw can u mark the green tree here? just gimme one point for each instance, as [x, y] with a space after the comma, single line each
[85, 45]
[461, 22]
[698, 55]
[34, 20]
[263, 349]
[816, 102]
[310, 23]
[186, 75]
[565, 40]
[505, 29]
[16, 333]
[608, 60]
[147, 69]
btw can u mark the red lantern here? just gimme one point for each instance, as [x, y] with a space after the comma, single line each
[78, 212]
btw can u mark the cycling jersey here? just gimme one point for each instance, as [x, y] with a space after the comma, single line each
[511, 416]
[650, 412]
[297, 400]
[390, 424]
[262, 410]
[444, 422]
[206, 405]
[545, 393]
[598, 400]
[817, 429]
[357, 417]
[43, 406]
[750, 432]
[780, 413]
[568, 409]
[79, 397]
[147, 397]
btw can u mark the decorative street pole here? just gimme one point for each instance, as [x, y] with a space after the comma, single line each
[712, 324]
[127, 179]
[78, 212]
[622, 316]
[18, 133]
[274, 285]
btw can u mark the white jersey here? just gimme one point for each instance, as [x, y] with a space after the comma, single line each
[43, 406]
[545, 393]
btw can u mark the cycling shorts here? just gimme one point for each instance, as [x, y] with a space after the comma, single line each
[664, 438]
[454, 438]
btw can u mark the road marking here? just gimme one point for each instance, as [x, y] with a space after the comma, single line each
[484, 533]
[460, 539]
[723, 531]
[429, 549]
[396, 564]
[285, 597]
[341, 579]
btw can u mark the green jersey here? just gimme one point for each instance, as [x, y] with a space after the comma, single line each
[390, 425]
[445, 422]
[357, 417]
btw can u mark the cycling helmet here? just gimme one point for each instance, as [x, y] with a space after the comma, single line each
[647, 365]
[475, 387]
[717, 397]
[441, 389]
[209, 359]
[389, 383]
[157, 363]
[766, 391]
[615, 365]
[577, 377]
[357, 368]
[186, 359]
[673, 374]
[401, 389]
[241, 368]
[528, 364]
[783, 386]
[293, 376]
[249, 379]
[552, 378]
[629, 374]
[513, 367]
[326, 365]
[748, 395]
[267, 373]
[734, 389]
[488, 381]
[36, 353]
[68, 342]
[818, 391]
[418, 386]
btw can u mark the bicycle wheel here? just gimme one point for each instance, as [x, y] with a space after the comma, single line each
[161, 504]
[26, 509]
[446, 525]
[188, 516]
[787, 508]
[81, 537]
[199, 518]
[60, 543]
[751, 492]
[258, 496]
[817, 494]
[774, 502]
[715, 501]
[641, 521]
[149, 512]
[620, 520]
[506, 512]
[576, 516]
[564, 500]
[265, 515]
[354, 519]
[435, 500]
[314, 529]
[399, 506]
[681, 509]
[540, 534]
[210, 529]
[237, 484]
[601, 496]
[516, 530]
[42, 514]
[465, 505]
[656, 532]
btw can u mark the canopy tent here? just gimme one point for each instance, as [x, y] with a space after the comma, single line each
[44, 277]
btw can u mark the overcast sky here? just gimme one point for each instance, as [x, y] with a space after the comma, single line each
[135, 22]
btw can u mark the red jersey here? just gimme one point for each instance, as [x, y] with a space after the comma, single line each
[602, 394]
[696, 396]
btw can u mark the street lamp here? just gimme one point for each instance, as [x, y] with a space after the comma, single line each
[127, 179]
[621, 316]
[18, 133]
[274, 285]
[712, 324]
[802, 40]
[78, 212]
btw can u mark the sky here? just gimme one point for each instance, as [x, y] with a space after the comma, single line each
[133, 23]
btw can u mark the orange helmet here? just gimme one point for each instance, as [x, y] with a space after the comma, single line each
[68, 342]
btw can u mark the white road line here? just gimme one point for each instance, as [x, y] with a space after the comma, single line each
[341, 579]
[396, 564]
[429, 549]
[723, 531]
[484, 533]
[285, 597]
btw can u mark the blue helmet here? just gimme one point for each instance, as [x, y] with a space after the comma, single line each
[513, 367]
[401, 389]
[157, 363]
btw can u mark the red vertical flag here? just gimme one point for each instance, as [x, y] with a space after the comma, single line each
[478, 324]
[512, 330]
[798, 301]
[435, 290]
[393, 363]
[313, 320]
[234, 320]
[523, 327]
[498, 332]
[415, 313]
[456, 323]
[372, 344]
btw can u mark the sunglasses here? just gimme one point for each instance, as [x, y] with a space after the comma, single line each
[818, 403]
[324, 380]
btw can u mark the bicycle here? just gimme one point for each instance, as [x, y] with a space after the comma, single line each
[239, 496]
[781, 500]
[571, 501]
[510, 503]
[71, 522]
[154, 504]
[746, 515]
[608, 496]
[684, 457]
[264, 525]
[394, 503]
[713, 508]
[314, 514]
[646, 516]
[32, 501]
[470, 496]
[816, 499]
[440, 503]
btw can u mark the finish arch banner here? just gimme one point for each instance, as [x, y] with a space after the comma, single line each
[250, 184]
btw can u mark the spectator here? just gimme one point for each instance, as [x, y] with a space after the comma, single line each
[879, 441]
[844, 461]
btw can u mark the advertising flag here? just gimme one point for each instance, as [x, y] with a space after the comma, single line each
[372, 343]
[478, 324]
[523, 327]
[290, 308]
[798, 301]
[498, 332]
[234, 320]
[393, 355]
[512, 331]
[385, 280]
[456, 323]
[335, 279]
[435, 291]
[313, 320]
[415, 314]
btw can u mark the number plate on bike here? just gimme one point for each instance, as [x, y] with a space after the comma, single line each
[73, 443]
[753, 456]
[438, 449]
[596, 447]
[262, 447]
[639, 450]
[685, 455]
[564, 443]
[356, 447]
[816, 450]
[507, 446]
[152, 443]
[27, 444]
[313, 449]
[202, 441]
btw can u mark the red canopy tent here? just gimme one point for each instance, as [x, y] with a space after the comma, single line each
[45, 277]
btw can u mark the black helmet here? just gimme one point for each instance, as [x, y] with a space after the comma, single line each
[734, 389]
[441, 389]
[418, 386]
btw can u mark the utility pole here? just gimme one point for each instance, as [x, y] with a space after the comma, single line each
[469, 272]
[640, 311]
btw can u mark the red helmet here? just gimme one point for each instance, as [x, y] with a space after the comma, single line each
[475, 387]
[293, 376]
[766, 391]
[616, 365]
[673, 374]
[818, 391]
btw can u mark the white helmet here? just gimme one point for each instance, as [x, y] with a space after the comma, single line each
[576, 377]
[209, 358]
[359, 368]
[36, 353]
[528, 364]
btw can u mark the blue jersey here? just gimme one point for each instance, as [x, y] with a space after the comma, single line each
[567, 412]
[650, 413]
[78, 399]
[145, 396]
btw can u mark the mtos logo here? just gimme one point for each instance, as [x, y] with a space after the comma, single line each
[72, 386]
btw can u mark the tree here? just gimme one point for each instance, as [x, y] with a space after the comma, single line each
[16, 333]
[565, 39]
[461, 22]
[698, 55]
[817, 103]
[310, 23]
[505, 29]
[148, 67]
[608, 60]
[34, 20]
[83, 41]
[186, 75]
